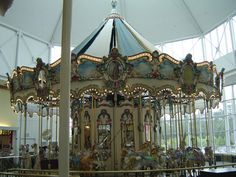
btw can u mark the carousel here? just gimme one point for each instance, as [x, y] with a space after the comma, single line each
[122, 88]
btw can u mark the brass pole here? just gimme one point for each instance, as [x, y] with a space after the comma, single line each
[176, 126]
[164, 112]
[134, 124]
[171, 131]
[25, 115]
[20, 122]
[206, 118]
[191, 126]
[195, 121]
[179, 124]
[41, 127]
[39, 130]
[151, 125]
[57, 110]
[140, 124]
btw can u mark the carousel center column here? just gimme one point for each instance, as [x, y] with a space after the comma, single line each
[65, 90]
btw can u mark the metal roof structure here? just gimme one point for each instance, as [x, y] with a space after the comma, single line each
[31, 27]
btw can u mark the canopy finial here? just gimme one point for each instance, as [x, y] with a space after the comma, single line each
[114, 4]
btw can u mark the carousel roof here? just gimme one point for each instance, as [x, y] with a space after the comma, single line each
[115, 58]
[114, 32]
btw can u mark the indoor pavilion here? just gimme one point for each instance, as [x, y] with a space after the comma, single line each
[117, 87]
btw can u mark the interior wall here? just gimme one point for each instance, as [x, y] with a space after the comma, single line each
[7, 117]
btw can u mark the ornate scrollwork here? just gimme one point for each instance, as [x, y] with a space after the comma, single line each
[115, 69]
[42, 79]
[187, 74]
[155, 73]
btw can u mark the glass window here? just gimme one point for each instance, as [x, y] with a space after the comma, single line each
[228, 93]
[56, 53]
[234, 27]
[208, 44]
[127, 129]
[228, 38]
[234, 88]
[231, 129]
[222, 43]
[104, 130]
[147, 125]
[197, 50]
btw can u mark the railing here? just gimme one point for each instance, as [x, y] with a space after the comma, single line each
[8, 162]
[128, 173]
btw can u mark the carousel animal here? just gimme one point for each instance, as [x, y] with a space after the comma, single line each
[174, 158]
[98, 162]
[87, 161]
[158, 153]
[194, 157]
[209, 156]
[131, 160]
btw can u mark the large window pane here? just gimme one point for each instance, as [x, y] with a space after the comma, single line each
[228, 93]
[209, 55]
[228, 38]
[234, 26]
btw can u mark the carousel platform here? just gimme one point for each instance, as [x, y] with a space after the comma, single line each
[220, 172]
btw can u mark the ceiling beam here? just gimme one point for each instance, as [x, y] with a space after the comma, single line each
[4, 57]
[55, 28]
[196, 23]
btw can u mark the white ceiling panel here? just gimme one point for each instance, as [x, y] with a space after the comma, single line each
[210, 13]
[157, 20]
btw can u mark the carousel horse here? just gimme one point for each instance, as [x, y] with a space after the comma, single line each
[158, 153]
[131, 160]
[85, 161]
[88, 160]
[98, 162]
[174, 158]
[194, 158]
[25, 157]
[209, 156]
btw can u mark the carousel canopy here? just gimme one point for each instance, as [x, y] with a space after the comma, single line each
[116, 59]
[114, 32]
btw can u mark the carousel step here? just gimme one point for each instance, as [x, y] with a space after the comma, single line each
[219, 172]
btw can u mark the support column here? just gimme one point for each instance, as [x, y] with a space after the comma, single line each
[140, 121]
[25, 126]
[65, 90]
[114, 148]
[203, 48]
[20, 137]
[233, 39]
[155, 126]
[234, 111]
